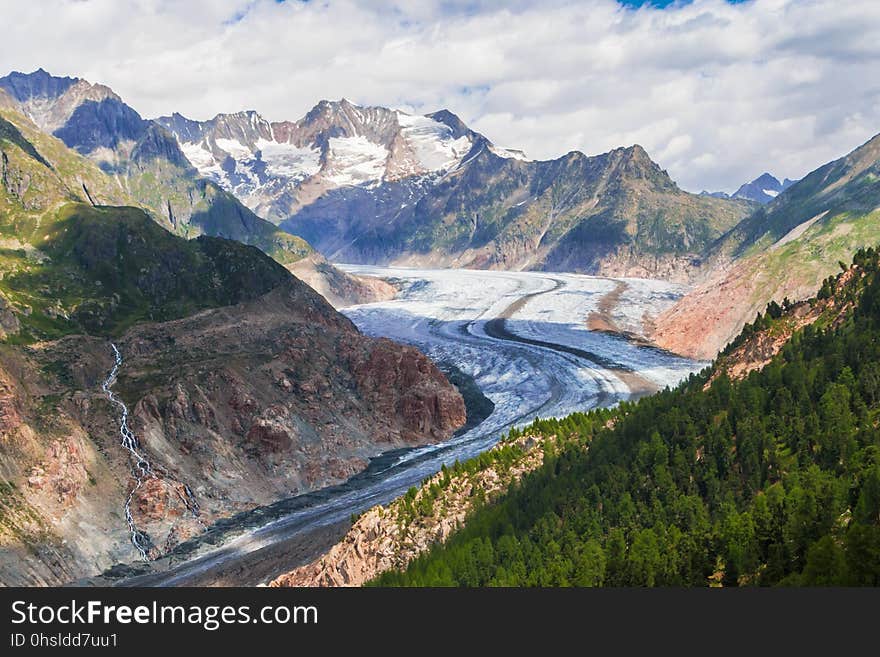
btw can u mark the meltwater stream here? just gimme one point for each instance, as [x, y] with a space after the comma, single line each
[142, 470]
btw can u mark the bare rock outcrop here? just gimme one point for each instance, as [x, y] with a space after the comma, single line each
[389, 537]
[758, 349]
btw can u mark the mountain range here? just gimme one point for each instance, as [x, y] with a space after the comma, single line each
[175, 239]
[152, 172]
[374, 185]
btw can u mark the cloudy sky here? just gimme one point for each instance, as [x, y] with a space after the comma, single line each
[716, 91]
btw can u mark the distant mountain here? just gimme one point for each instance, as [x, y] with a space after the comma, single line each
[784, 249]
[146, 159]
[715, 194]
[762, 189]
[374, 185]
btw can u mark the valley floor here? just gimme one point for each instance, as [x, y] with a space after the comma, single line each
[524, 339]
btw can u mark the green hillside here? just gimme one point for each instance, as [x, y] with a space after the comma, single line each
[774, 479]
[98, 270]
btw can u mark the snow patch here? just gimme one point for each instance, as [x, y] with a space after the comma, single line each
[355, 161]
[432, 142]
[288, 160]
[770, 192]
[235, 148]
[201, 159]
[510, 153]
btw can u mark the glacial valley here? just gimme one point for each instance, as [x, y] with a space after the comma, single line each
[522, 337]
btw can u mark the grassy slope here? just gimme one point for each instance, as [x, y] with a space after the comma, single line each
[52, 173]
[99, 270]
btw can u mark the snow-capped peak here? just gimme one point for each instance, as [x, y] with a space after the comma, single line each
[336, 144]
[432, 142]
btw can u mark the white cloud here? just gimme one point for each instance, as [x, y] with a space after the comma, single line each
[716, 93]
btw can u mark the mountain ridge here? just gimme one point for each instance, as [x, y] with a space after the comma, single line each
[762, 189]
[420, 193]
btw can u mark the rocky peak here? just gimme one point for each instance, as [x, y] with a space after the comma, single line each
[767, 179]
[50, 101]
[762, 189]
[637, 157]
[158, 143]
[97, 124]
[343, 119]
[39, 84]
[447, 118]
[632, 163]
[185, 129]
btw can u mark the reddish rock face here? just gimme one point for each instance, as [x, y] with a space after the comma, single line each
[151, 500]
[272, 398]
[10, 411]
[403, 382]
[61, 474]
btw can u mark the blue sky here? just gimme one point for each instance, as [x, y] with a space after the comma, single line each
[716, 91]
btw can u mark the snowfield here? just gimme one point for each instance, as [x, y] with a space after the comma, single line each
[355, 160]
[445, 312]
[288, 160]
